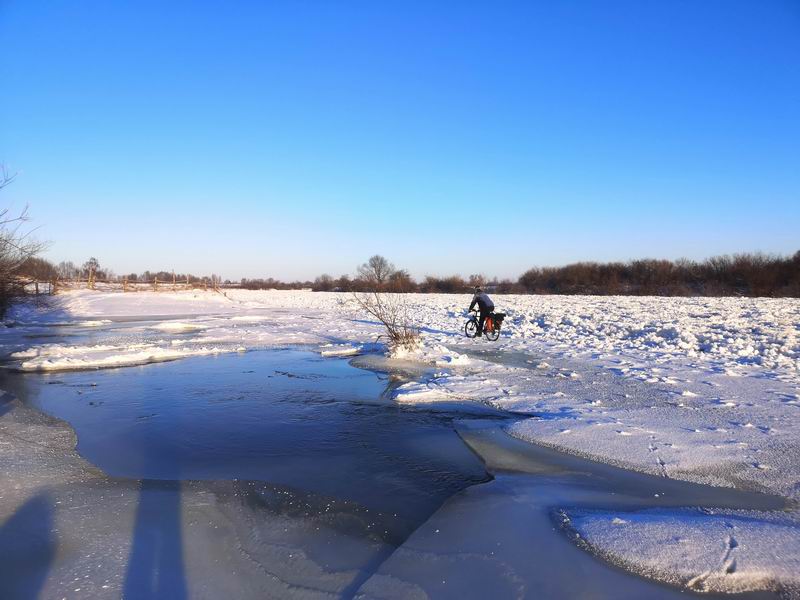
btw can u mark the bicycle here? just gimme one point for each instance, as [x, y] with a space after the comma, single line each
[491, 326]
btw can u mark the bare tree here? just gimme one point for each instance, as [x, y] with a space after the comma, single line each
[16, 246]
[476, 280]
[5, 177]
[38, 269]
[91, 268]
[376, 271]
[400, 281]
[323, 283]
[390, 309]
[68, 270]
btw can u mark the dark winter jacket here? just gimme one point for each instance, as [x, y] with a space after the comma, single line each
[483, 301]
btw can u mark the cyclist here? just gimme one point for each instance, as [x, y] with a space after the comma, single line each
[485, 306]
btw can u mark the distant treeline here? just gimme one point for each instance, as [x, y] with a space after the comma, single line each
[737, 275]
[43, 270]
[271, 284]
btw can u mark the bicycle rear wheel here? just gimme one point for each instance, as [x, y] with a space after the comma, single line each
[493, 335]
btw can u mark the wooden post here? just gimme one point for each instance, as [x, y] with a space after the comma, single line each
[36, 286]
[155, 284]
[174, 288]
[125, 284]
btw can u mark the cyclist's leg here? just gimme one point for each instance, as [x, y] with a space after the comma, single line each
[482, 321]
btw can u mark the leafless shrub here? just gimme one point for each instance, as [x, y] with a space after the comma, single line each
[394, 313]
[379, 294]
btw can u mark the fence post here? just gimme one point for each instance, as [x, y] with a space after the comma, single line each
[155, 284]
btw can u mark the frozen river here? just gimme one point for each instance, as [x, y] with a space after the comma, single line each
[280, 472]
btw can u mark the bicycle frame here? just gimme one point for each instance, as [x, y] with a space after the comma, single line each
[488, 332]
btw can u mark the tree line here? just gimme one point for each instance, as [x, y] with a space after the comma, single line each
[41, 269]
[752, 274]
[738, 275]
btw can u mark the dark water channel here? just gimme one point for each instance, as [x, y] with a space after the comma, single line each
[288, 417]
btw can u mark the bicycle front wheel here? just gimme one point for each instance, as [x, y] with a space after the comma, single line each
[471, 328]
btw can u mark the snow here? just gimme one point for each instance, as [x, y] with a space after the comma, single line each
[704, 389]
[56, 357]
[730, 331]
[700, 389]
[340, 350]
[178, 327]
[709, 551]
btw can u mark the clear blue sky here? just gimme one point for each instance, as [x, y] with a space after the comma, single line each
[292, 138]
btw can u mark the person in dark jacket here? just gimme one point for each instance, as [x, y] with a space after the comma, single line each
[485, 306]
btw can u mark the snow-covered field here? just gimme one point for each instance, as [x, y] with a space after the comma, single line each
[701, 389]
[727, 333]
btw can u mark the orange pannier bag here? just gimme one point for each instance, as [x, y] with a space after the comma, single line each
[489, 324]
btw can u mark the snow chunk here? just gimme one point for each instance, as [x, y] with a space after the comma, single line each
[732, 551]
[65, 358]
[178, 327]
[94, 323]
[416, 392]
[341, 350]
